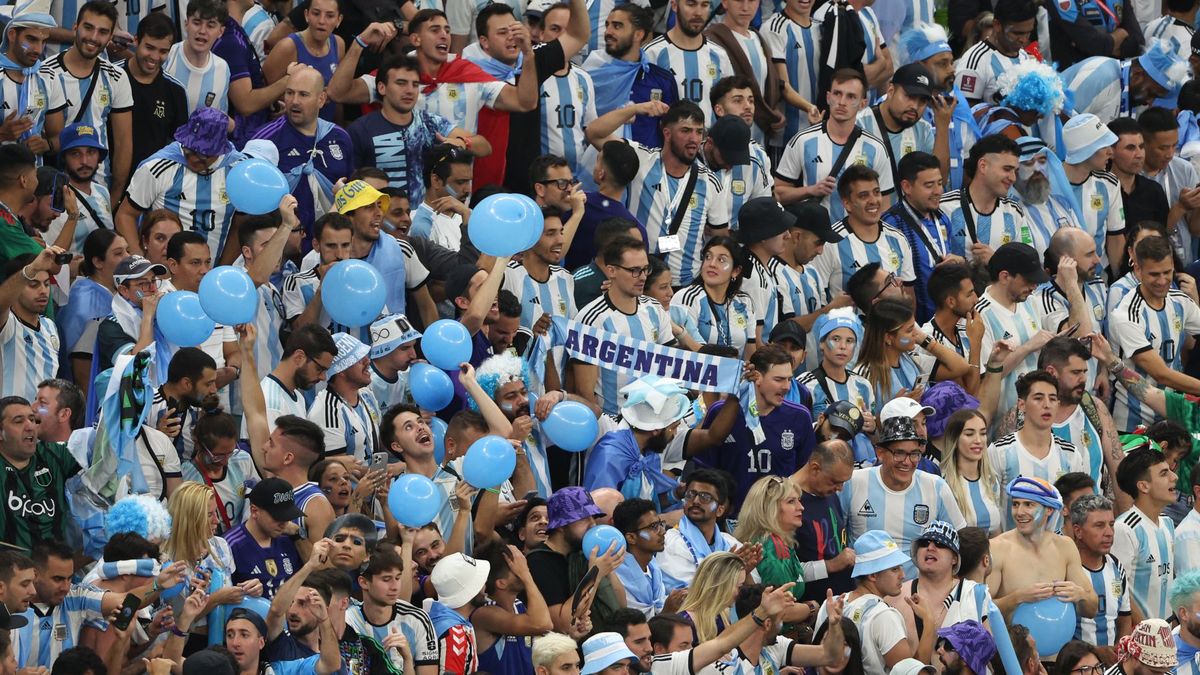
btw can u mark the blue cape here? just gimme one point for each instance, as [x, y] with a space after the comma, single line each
[444, 618]
[89, 301]
[617, 461]
[618, 77]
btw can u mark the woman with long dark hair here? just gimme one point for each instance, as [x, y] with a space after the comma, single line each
[90, 301]
[723, 314]
[897, 357]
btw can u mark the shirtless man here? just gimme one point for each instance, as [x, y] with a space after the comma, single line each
[937, 556]
[1059, 572]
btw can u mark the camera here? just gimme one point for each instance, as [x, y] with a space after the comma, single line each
[62, 258]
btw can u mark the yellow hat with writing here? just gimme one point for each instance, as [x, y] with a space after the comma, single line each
[357, 194]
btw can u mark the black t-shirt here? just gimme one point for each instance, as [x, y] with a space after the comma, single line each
[525, 129]
[550, 572]
[822, 536]
[1148, 201]
[159, 108]
[110, 337]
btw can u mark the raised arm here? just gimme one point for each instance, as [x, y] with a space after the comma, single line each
[288, 590]
[267, 261]
[254, 404]
[481, 303]
[603, 128]
[524, 96]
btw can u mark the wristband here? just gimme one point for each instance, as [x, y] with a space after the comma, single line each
[995, 369]
[361, 43]
[926, 342]
[178, 633]
[1116, 368]
[27, 277]
[759, 622]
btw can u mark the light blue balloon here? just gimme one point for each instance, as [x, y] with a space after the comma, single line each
[228, 295]
[414, 500]
[430, 387]
[602, 537]
[505, 224]
[182, 320]
[256, 187]
[446, 343]
[571, 426]
[353, 293]
[489, 462]
[259, 606]
[1051, 622]
[438, 426]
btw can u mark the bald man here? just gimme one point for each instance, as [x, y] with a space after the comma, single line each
[607, 499]
[303, 138]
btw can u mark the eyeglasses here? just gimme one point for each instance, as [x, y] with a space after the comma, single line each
[637, 272]
[560, 183]
[320, 366]
[1096, 669]
[341, 537]
[888, 282]
[657, 526]
[922, 543]
[945, 645]
[914, 456]
[702, 497]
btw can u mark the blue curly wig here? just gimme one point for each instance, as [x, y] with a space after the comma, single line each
[498, 371]
[1032, 86]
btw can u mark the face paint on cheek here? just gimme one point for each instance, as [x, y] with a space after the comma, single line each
[644, 535]
[1038, 514]
[507, 407]
[712, 506]
[904, 341]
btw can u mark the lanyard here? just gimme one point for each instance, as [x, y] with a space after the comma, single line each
[216, 495]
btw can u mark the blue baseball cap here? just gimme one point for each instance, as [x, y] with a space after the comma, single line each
[876, 551]
[79, 135]
[603, 650]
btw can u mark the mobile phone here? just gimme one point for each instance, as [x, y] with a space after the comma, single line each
[1087, 343]
[922, 381]
[128, 608]
[57, 202]
[63, 258]
[379, 462]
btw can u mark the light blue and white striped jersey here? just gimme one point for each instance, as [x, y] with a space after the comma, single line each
[747, 181]
[280, 401]
[406, 618]
[1187, 544]
[554, 296]
[1101, 86]
[838, 262]
[1112, 590]
[199, 199]
[268, 321]
[650, 323]
[258, 24]
[387, 392]
[460, 102]
[1134, 327]
[731, 324]
[799, 49]
[752, 49]
[206, 85]
[240, 478]
[1003, 224]
[880, 624]
[112, 94]
[963, 345]
[1046, 218]
[1010, 458]
[804, 290]
[917, 137]
[50, 632]
[1018, 326]
[976, 73]
[696, 71]
[1177, 34]
[597, 14]
[1143, 545]
[1189, 655]
[28, 355]
[905, 375]
[349, 430]
[770, 304]
[1103, 209]
[1053, 311]
[872, 37]
[856, 389]
[810, 154]
[44, 96]
[982, 509]
[1178, 175]
[870, 505]
[653, 197]
[1079, 431]
[917, 12]
[568, 106]
[100, 205]
[1118, 290]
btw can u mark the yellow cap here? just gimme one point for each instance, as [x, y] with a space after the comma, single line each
[357, 194]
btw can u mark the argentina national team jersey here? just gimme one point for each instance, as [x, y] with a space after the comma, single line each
[653, 197]
[110, 95]
[650, 323]
[696, 71]
[907, 372]
[1112, 590]
[1079, 431]
[554, 296]
[1187, 544]
[747, 181]
[855, 389]
[44, 96]
[982, 508]
[1103, 213]
[1053, 310]
[963, 345]
[206, 85]
[838, 262]
[1135, 327]
[1189, 656]
[99, 205]
[730, 324]
[258, 24]
[871, 505]
[1118, 290]
[280, 401]
[460, 102]
[406, 618]
[568, 106]
[239, 479]
[349, 430]
[28, 355]
[50, 632]
[799, 49]
[1003, 224]
[918, 137]
[200, 200]
[1009, 457]
[1047, 218]
[598, 11]
[810, 154]
[299, 290]
[1101, 87]
[976, 74]
[1178, 175]
[770, 304]
[1143, 545]
[1175, 33]
[1018, 326]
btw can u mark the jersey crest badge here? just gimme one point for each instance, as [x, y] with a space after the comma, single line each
[1097, 202]
[787, 440]
[738, 187]
[335, 150]
[272, 568]
[867, 511]
[921, 514]
[103, 96]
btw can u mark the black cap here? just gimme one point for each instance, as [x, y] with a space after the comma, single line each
[11, 621]
[915, 79]
[275, 496]
[846, 416]
[762, 218]
[1018, 259]
[731, 135]
[811, 216]
[898, 429]
[136, 267]
[208, 662]
[789, 330]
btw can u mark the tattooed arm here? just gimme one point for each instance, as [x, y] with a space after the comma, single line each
[1137, 386]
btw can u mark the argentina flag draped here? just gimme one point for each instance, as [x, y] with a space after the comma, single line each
[701, 372]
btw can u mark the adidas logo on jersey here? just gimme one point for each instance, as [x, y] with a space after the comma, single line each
[294, 153]
[866, 511]
[1150, 559]
[818, 160]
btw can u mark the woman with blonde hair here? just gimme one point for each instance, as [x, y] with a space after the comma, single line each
[720, 574]
[965, 468]
[770, 516]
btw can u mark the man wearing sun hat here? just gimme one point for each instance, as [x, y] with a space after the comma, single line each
[393, 349]
[879, 564]
[605, 650]
[631, 459]
[201, 156]
[965, 648]
[459, 580]
[1089, 144]
[81, 153]
[346, 409]
[1149, 650]
[936, 555]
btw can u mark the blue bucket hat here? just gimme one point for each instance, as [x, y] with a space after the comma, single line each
[921, 42]
[876, 551]
[1085, 135]
[1164, 66]
[603, 650]
[79, 135]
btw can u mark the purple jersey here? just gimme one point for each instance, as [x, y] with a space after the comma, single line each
[272, 565]
[234, 46]
[790, 440]
[398, 150]
[333, 157]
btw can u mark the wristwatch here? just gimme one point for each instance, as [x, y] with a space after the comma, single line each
[926, 342]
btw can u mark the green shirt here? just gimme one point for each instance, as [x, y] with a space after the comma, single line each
[780, 565]
[35, 497]
[13, 240]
